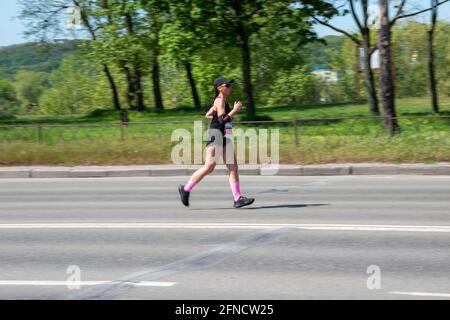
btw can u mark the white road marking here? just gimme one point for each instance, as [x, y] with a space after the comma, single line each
[258, 226]
[422, 294]
[81, 283]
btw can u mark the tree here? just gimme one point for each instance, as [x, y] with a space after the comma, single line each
[8, 99]
[387, 87]
[29, 86]
[156, 15]
[131, 36]
[364, 40]
[410, 59]
[294, 87]
[76, 87]
[342, 60]
[45, 16]
[234, 21]
[85, 13]
[442, 53]
[128, 11]
[294, 50]
[182, 37]
[116, 44]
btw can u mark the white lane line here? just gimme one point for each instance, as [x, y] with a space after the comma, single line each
[422, 294]
[81, 283]
[258, 226]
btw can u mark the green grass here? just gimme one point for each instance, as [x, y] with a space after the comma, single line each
[95, 139]
[406, 107]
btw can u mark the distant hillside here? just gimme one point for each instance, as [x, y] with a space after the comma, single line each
[43, 57]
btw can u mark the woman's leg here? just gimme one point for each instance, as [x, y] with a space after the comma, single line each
[208, 167]
[229, 158]
[198, 175]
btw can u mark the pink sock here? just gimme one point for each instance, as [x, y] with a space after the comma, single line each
[190, 185]
[236, 189]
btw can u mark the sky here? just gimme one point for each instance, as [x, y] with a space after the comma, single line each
[11, 28]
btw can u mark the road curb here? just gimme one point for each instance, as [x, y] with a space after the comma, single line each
[187, 170]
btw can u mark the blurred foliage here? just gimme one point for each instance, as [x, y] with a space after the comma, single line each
[410, 40]
[34, 56]
[68, 77]
[8, 99]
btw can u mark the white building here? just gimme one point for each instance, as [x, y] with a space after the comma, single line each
[325, 74]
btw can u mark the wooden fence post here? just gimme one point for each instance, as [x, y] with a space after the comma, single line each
[122, 131]
[296, 139]
[39, 132]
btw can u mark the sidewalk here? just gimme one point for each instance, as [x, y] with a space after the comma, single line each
[442, 168]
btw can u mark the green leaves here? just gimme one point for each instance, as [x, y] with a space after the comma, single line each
[8, 99]
[293, 87]
[77, 87]
[30, 86]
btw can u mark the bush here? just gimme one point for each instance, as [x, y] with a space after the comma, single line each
[295, 86]
[8, 101]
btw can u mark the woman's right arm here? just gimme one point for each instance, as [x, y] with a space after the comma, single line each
[220, 105]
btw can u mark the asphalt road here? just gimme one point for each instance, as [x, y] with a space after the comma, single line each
[336, 237]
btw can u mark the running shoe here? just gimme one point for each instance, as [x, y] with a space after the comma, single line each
[243, 201]
[184, 195]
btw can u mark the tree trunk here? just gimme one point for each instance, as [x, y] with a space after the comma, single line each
[195, 96]
[431, 70]
[246, 72]
[112, 85]
[139, 93]
[387, 89]
[156, 87]
[369, 79]
[368, 73]
[130, 86]
[137, 74]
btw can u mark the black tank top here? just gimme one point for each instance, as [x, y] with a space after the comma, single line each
[215, 124]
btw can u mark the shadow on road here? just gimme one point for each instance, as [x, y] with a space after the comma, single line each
[270, 207]
[289, 206]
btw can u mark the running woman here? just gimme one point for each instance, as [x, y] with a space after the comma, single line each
[219, 142]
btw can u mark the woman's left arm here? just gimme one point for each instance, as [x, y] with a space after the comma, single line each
[209, 113]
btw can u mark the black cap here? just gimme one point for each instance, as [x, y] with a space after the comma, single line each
[222, 80]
